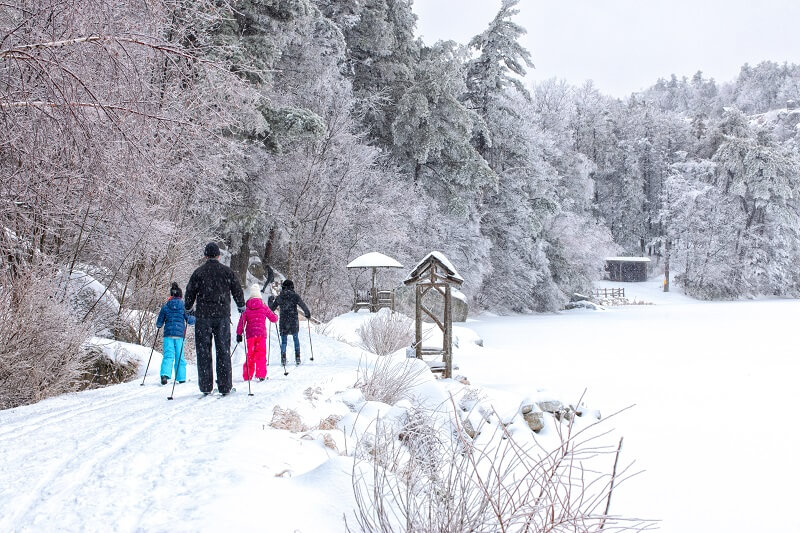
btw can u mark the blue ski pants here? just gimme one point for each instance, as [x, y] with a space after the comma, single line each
[174, 358]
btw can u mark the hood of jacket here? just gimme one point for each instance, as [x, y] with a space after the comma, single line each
[175, 303]
[255, 303]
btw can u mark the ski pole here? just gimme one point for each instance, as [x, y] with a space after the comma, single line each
[178, 362]
[150, 358]
[309, 339]
[249, 370]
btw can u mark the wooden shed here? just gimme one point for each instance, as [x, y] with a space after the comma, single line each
[627, 268]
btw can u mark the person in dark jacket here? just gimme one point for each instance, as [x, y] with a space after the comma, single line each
[175, 319]
[289, 324]
[211, 286]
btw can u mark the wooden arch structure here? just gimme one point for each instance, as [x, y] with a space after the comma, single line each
[435, 274]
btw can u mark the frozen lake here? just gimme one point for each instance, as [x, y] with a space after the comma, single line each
[714, 387]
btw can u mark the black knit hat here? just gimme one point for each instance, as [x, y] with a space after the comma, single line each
[175, 290]
[212, 250]
[288, 284]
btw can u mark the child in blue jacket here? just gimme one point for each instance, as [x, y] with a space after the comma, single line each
[175, 319]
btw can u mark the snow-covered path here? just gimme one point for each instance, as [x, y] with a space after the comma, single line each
[124, 458]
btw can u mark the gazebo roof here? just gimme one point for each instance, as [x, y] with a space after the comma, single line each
[374, 260]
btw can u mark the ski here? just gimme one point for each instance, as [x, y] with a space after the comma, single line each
[204, 395]
[233, 389]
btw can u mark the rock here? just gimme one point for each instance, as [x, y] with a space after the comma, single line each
[469, 429]
[565, 414]
[525, 409]
[405, 302]
[256, 270]
[582, 410]
[551, 406]
[462, 379]
[255, 266]
[583, 304]
[535, 420]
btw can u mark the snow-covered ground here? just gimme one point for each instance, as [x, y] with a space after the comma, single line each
[713, 386]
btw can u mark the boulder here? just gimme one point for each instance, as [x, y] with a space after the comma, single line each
[405, 302]
[583, 304]
[551, 406]
[469, 429]
[255, 266]
[534, 419]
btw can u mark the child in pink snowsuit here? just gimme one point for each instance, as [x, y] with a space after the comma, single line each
[254, 324]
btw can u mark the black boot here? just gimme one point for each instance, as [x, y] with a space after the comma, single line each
[164, 380]
[283, 358]
[297, 358]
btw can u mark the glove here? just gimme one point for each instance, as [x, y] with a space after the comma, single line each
[241, 309]
[308, 316]
[238, 338]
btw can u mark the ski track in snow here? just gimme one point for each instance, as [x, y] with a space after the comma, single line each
[56, 415]
[124, 458]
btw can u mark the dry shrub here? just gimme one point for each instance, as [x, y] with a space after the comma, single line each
[386, 333]
[388, 381]
[330, 422]
[41, 342]
[329, 442]
[287, 419]
[104, 371]
[435, 478]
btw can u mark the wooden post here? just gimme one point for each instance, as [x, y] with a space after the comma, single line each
[448, 333]
[418, 314]
[373, 294]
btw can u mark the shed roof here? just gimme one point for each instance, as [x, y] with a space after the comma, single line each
[435, 257]
[374, 260]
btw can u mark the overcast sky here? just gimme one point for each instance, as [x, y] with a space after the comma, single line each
[626, 45]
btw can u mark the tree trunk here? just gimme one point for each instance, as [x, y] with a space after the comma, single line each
[241, 259]
[667, 247]
[267, 257]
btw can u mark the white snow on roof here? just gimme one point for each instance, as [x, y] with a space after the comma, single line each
[629, 259]
[442, 259]
[373, 259]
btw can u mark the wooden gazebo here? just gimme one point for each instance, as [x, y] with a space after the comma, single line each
[435, 273]
[373, 299]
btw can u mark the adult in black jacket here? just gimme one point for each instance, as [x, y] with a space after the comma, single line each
[287, 301]
[211, 286]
